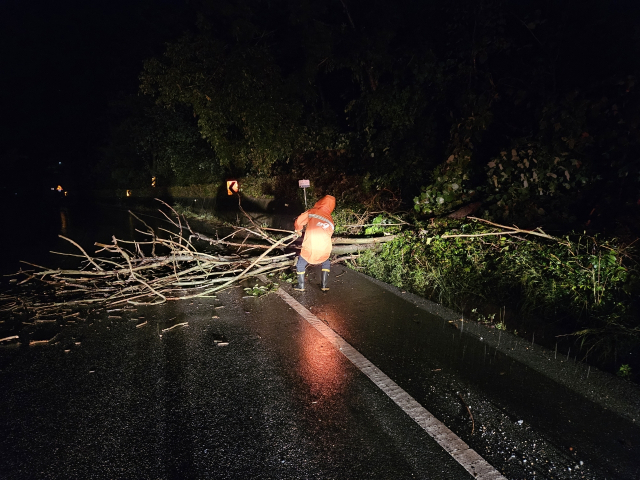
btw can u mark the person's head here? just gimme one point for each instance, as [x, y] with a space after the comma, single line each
[326, 204]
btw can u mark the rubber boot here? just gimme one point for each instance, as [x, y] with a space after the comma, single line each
[325, 280]
[300, 286]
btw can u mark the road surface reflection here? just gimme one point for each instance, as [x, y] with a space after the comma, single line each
[320, 367]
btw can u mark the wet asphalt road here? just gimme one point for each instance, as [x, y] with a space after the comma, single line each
[248, 389]
[113, 400]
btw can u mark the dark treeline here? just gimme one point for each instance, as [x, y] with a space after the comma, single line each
[530, 107]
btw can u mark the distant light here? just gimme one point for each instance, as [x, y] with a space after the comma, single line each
[128, 193]
[153, 181]
[52, 189]
[65, 194]
[59, 188]
[59, 163]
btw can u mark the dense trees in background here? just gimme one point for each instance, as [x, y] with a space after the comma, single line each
[530, 107]
[152, 141]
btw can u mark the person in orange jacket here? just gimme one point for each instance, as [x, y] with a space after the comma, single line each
[316, 246]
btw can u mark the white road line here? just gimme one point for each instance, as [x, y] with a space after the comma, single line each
[460, 451]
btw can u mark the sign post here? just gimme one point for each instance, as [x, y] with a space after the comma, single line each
[304, 184]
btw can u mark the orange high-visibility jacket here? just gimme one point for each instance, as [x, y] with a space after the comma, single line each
[316, 246]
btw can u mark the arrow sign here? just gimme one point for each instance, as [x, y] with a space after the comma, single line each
[232, 187]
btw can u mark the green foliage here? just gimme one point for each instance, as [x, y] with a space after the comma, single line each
[288, 277]
[542, 148]
[150, 141]
[574, 151]
[349, 221]
[582, 280]
[395, 124]
[486, 319]
[449, 189]
[260, 290]
[258, 187]
[451, 183]
[516, 178]
[203, 215]
[624, 371]
[382, 224]
[238, 95]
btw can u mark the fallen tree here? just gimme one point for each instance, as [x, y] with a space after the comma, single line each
[167, 266]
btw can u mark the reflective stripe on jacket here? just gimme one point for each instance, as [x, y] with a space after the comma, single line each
[316, 246]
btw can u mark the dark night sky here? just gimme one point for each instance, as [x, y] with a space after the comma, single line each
[62, 63]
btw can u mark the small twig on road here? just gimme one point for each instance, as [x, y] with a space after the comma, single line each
[183, 324]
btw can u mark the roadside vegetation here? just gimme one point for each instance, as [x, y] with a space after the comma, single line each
[576, 286]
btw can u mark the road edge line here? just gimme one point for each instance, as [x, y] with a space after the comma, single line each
[470, 460]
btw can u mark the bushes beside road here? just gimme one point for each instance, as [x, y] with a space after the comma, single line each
[580, 290]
